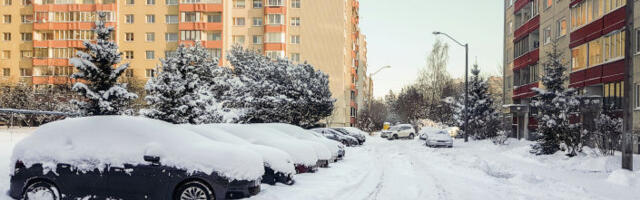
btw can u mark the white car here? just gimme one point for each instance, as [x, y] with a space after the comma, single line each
[439, 138]
[305, 157]
[278, 164]
[300, 133]
[399, 131]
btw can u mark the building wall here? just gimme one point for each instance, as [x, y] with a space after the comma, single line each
[328, 31]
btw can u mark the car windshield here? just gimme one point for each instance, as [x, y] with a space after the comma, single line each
[441, 132]
[395, 128]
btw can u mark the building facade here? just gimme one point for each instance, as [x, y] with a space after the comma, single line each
[591, 36]
[39, 36]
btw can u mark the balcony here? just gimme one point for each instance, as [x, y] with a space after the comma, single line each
[68, 25]
[528, 27]
[524, 91]
[611, 21]
[605, 73]
[201, 7]
[51, 61]
[275, 46]
[214, 44]
[73, 7]
[56, 80]
[275, 10]
[200, 26]
[275, 28]
[527, 59]
[58, 43]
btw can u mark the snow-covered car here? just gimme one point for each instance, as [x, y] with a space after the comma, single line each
[278, 165]
[399, 131]
[354, 132]
[300, 133]
[304, 155]
[422, 134]
[121, 157]
[337, 136]
[439, 138]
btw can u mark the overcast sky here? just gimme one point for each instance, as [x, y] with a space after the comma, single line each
[399, 33]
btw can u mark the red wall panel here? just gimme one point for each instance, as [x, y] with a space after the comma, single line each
[527, 59]
[519, 5]
[527, 28]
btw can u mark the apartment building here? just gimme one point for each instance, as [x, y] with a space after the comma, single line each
[591, 36]
[39, 36]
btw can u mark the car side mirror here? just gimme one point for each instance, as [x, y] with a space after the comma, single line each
[152, 159]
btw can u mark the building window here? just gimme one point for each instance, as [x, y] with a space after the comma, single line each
[128, 73]
[26, 54]
[257, 21]
[24, 72]
[7, 19]
[128, 54]
[274, 54]
[168, 54]
[295, 21]
[216, 53]
[589, 10]
[295, 3]
[238, 21]
[150, 55]
[26, 2]
[128, 37]
[171, 37]
[150, 73]
[595, 52]
[171, 2]
[238, 39]
[128, 19]
[190, 16]
[275, 2]
[26, 19]
[150, 37]
[547, 4]
[562, 27]
[130, 2]
[171, 19]
[295, 39]
[275, 38]
[614, 46]
[257, 39]
[214, 17]
[6, 54]
[528, 12]
[546, 34]
[6, 36]
[275, 19]
[579, 57]
[295, 57]
[613, 94]
[7, 2]
[190, 35]
[257, 3]
[26, 36]
[151, 2]
[6, 72]
[238, 3]
[214, 36]
[151, 19]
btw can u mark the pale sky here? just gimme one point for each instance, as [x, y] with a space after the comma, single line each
[399, 33]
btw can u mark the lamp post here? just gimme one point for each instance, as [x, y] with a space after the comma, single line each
[466, 82]
[371, 76]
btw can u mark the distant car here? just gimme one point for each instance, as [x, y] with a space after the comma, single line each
[341, 152]
[119, 157]
[354, 132]
[422, 134]
[439, 138]
[337, 136]
[305, 158]
[278, 165]
[399, 131]
[303, 134]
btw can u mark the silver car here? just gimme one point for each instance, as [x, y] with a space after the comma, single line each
[439, 139]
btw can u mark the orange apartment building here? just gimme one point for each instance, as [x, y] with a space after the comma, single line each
[39, 36]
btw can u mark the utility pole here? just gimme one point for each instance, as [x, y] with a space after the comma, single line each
[627, 139]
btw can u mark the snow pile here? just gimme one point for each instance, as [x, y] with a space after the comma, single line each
[624, 177]
[95, 142]
[301, 153]
[276, 159]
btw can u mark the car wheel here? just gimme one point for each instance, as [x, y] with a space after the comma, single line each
[411, 136]
[194, 191]
[41, 190]
[395, 137]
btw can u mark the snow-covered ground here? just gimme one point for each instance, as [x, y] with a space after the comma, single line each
[406, 169]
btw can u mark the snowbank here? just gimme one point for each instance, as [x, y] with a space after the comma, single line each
[301, 153]
[276, 159]
[94, 142]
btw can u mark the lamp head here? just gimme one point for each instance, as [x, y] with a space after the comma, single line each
[436, 33]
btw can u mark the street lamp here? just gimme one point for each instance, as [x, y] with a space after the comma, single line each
[374, 73]
[466, 82]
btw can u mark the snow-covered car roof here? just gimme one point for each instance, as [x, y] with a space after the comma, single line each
[356, 131]
[276, 159]
[300, 133]
[90, 143]
[300, 153]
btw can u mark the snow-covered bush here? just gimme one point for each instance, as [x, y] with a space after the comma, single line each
[183, 90]
[102, 93]
[608, 132]
[500, 138]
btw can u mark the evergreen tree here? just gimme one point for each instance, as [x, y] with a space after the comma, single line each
[182, 92]
[483, 118]
[309, 90]
[556, 104]
[103, 95]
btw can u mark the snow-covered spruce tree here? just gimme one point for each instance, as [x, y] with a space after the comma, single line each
[102, 93]
[483, 118]
[181, 92]
[556, 104]
[309, 90]
[608, 132]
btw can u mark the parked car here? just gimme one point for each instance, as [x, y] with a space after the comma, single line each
[337, 136]
[121, 157]
[399, 131]
[278, 165]
[422, 134]
[354, 132]
[303, 134]
[305, 158]
[439, 138]
[341, 151]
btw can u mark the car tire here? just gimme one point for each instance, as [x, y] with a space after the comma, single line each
[194, 190]
[395, 137]
[41, 190]
[411, 136]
